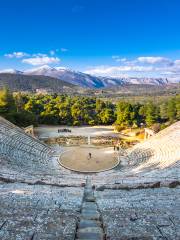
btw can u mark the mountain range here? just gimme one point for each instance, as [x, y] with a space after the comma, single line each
[20, 82]
[83, 79]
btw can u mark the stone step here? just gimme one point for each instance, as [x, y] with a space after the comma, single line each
[89, 204]
[90, 199]
[88, 192]
[89, 223]
[91, 215]
[90, 236]
[89, 210]
[86, 207]
[90, 230]
[89, 227]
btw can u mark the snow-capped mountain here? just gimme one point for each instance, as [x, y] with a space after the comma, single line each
[152, 81]
[86, 80]
[77, 78]
[10, 70]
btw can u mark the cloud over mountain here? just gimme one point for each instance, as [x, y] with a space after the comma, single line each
[154, 60]
[118, 67]
[139, 67]
[35, 61]
[16, 55]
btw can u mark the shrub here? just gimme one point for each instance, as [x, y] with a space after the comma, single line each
[119, 128]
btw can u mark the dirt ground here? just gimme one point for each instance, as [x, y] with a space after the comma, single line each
[77, 158]
[44, 131]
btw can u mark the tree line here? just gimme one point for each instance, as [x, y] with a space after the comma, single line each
[25, 109]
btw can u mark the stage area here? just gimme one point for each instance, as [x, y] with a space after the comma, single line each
[94, 131]
[78, 158]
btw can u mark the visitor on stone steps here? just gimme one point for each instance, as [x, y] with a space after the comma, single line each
[90, 155]
[114, 147]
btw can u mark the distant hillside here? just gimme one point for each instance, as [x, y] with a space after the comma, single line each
[20, 82]
[86, 80]
[91, 81]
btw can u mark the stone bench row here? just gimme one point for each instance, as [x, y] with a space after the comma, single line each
[141, 213]
[38, 212]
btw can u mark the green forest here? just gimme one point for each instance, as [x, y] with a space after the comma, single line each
[25, 109]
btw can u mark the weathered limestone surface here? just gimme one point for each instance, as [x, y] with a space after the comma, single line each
[140, 214]
[38, 212]
[155, 160]
[26, 159]
[40, 200]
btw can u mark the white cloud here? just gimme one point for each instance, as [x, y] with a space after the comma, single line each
[140, 67]
[64, 49]
[35, 61]
[39, 55]
[119, 59]
[115, 70]
[16, 55]
[115, 57]
[52, 52]
[35, 58]
[177, 62]
[23, 54]
[154, 60]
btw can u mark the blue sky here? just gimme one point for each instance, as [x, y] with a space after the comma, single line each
[88, 35]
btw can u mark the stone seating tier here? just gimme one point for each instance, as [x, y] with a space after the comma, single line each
[41, 200]
[141, 213]
[155, 159]
[38, 212]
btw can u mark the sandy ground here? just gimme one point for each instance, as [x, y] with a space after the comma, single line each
[52, 131]
[77, 158]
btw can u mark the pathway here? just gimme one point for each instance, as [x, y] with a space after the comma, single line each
[90, 226]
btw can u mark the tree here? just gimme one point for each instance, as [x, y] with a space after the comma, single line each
[100, 105]
[125, 114]
[20, 101]
[77, 114]
[24, 119]
[7, 103]
[171, 109]
[163, 111]
[35, 106]
[151, 114]
[107, 116]
[178, 107]
[78, 110]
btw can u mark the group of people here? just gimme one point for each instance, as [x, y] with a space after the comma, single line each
[64, 130]
[116, 148]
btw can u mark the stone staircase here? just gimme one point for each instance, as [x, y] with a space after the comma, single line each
[90, 226]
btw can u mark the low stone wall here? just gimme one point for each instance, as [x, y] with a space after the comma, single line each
[105, 141]
[69, 140]
[81, 140]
